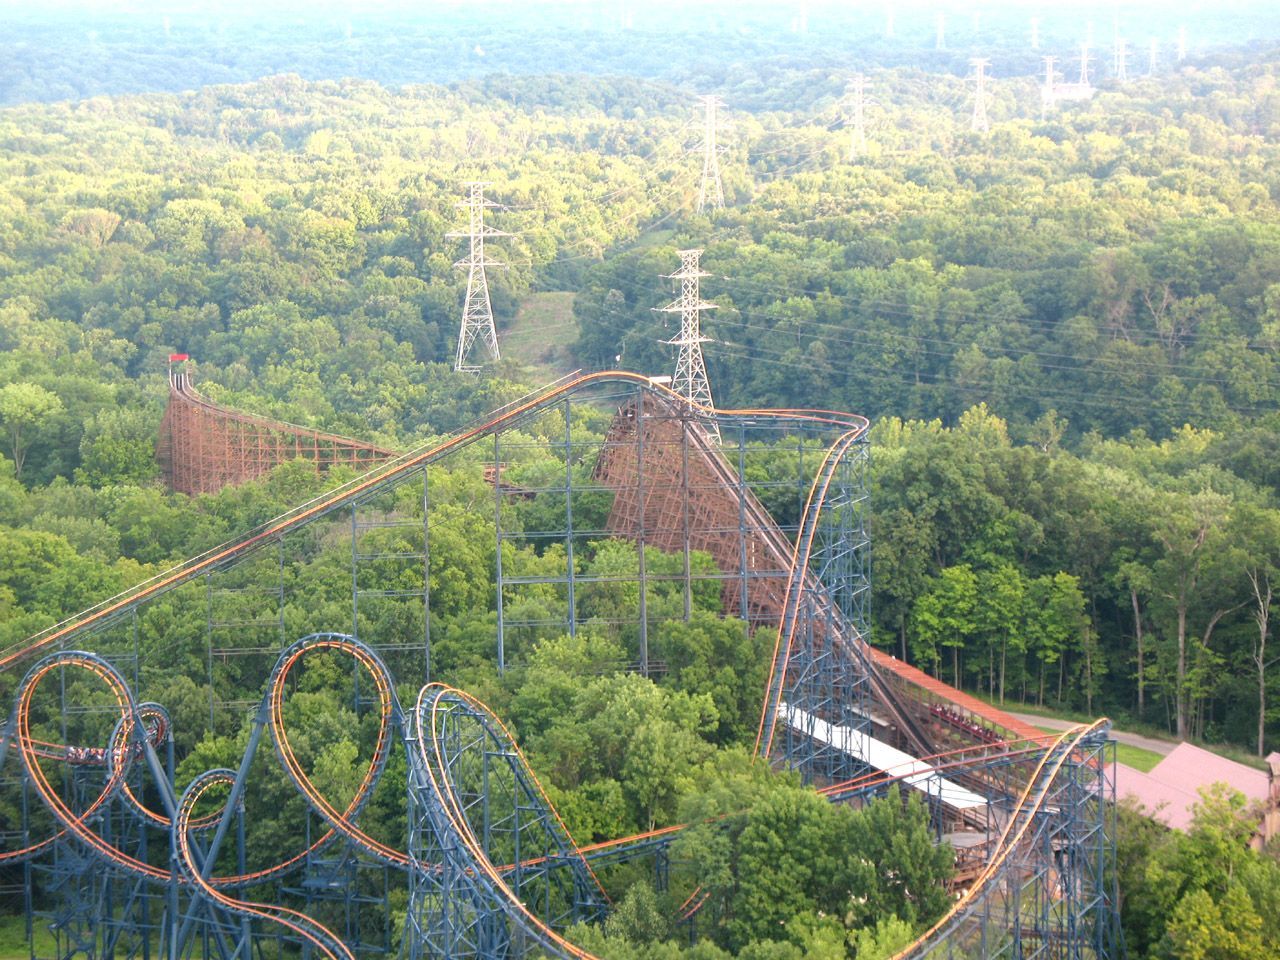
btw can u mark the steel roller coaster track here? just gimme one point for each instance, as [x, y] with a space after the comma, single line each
[489, 867]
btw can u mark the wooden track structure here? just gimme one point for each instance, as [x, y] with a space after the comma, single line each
[204, 446]
[673, 488]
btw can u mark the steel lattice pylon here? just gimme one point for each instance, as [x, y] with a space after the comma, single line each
[767, 526]
[857, 89]
[477, 310]
[979, 123]
[690, 380]
[710, 189]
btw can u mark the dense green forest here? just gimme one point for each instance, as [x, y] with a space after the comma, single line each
[1066, 332]
[1108, 316]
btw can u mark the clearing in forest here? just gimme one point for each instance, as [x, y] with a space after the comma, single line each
[541, 335]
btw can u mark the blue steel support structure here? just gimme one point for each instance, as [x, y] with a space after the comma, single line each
[485, 864]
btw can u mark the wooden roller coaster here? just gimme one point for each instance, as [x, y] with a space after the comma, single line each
[204, 446]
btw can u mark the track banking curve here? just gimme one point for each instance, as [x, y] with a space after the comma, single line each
[121, 753]
[340, 822]
[184, 820]
[298, 923]
[796, 578]
[424, 746]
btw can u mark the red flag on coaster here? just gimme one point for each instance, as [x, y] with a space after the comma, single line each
[175, 357]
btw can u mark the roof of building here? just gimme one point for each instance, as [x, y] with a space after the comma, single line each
[1164, 801]
[1172, 787]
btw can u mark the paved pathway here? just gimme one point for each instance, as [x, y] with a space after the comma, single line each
[1162, 747]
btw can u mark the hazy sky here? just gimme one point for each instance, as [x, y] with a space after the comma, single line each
[1157, 11]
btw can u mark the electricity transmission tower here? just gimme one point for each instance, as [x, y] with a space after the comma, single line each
[1120, 67]
[690, 380]
[1035, 33]
[710, 193]
[1153, 49]
[858, 137]
[940, 34]
[1182, 44]
[979, 123]
[477, 311]
[1084, 64]
[1046, 92]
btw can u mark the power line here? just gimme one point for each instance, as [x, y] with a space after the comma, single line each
[878, 338]
[950, 355]
[1136, 336]
[906, 310]
[1063, 395]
